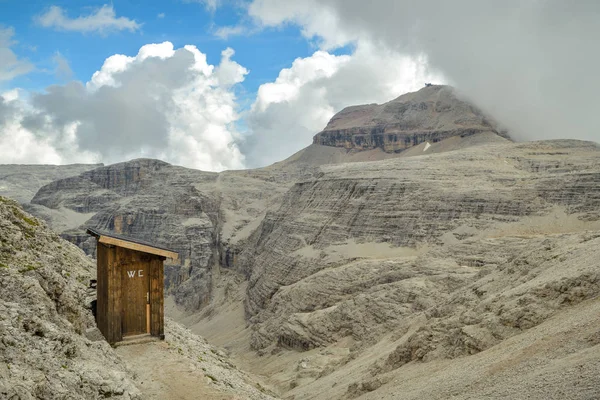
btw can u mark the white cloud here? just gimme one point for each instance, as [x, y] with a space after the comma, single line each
[10, 65]
[103, 20]
[530, 63]
[211, 5]
[63, 69]
[19, 145]
[225, 32]
[160, 15]
[287, 113]
[162, 103]
[316, 20]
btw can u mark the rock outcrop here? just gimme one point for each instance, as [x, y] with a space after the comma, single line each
[43, 351]
[432, 114]
[341, 224]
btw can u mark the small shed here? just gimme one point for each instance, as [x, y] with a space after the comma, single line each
[130, 286]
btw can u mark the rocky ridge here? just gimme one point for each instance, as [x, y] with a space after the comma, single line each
[414, 201]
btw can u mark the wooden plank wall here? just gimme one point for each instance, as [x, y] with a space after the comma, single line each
[111, 261]
[115, 307]
[157, 306]
[102, 289]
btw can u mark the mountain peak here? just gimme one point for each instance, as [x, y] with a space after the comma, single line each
[431, 114]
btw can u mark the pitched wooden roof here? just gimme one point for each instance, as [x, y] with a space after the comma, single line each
[132, 244]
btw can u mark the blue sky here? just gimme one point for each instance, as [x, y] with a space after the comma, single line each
[87, 81]
[273, 84]
[263, 52]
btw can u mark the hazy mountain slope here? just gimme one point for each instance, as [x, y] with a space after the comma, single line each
[21, 182]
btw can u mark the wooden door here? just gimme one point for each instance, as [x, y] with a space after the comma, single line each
[136, 288]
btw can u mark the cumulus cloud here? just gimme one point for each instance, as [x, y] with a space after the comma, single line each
[289, 111]
[10, 65]
[19, 145]
[102, 20]
[163, 103]
[530, 63]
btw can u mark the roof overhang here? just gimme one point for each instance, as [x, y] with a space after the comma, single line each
[132, 244]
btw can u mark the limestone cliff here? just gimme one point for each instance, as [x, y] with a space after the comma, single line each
[351, 229]
[432, 114]
[147, 199]
[201, 215]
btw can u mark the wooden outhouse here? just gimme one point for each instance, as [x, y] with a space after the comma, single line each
[130, 286]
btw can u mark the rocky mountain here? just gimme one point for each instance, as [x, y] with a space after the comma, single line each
[48, 348]
[368, 267]
[199, 214]
[432, 114]
[412, 248]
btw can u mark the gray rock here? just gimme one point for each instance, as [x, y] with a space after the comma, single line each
[432, 114]
[43, 319]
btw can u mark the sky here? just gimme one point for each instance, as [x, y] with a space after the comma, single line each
[230, 84]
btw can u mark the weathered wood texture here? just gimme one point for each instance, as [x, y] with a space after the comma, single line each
[157, 318]
[134, 268]
[102, 289]
[130, 293]
[114, 295]
[138, 247]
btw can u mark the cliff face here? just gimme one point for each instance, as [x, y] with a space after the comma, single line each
[147, 199]
[432, 114]
[350, 233]
[198, 214]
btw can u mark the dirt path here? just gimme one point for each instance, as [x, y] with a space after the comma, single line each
[161, 373]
